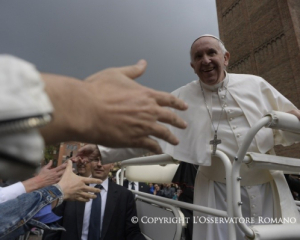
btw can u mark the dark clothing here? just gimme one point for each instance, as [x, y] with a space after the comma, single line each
[117, 224]
[294, 184]
[159, 193]
[168, 192]
[143, 187]
[185, 178]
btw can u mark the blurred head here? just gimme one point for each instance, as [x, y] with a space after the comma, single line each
[150, 184]
[156, 186]
[209, 59]
[98, 170]
[84, 169]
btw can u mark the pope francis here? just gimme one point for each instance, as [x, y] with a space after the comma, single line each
[222, 108]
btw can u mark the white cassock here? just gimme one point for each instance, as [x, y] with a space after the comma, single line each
[247, 99]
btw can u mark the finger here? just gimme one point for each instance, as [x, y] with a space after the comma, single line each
[69, 167]
[162, 132]
[296, 113]
[149, 144]
[87, 195]
[74, 159]
[167, 116]
[134, 71]
[167, 99]
[91, 180]
[81, 199]
[61, 167]
[90, 189]
[49, 164]
[61, 172]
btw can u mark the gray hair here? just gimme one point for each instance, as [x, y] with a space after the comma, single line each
[221, 44]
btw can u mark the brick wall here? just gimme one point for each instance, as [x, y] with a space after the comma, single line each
[263, 38]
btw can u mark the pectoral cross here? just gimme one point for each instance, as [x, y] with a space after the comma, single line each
[214, 143]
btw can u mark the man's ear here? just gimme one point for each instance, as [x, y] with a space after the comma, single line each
[112, 166]
[193, 67]
[226, 58]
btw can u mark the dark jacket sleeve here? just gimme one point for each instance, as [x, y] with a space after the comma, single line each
[132, 230]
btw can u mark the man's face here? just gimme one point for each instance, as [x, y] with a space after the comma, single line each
[100, 171]
[84, 169]
[208, 61]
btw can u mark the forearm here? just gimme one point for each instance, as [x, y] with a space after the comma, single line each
[33, 184]
[68, 117]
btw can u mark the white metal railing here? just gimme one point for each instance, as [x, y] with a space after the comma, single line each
[276, 120]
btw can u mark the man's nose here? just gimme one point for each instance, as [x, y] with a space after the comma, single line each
[99, 163]
[205, 59]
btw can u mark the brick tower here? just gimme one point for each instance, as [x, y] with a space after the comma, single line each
[263, 37]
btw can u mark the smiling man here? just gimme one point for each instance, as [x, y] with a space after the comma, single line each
[222, 108]
[84, 169]
[208, 59]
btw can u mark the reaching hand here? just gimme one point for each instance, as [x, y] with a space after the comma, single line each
[129, 113]
[295, 112]
[111, 109]
[48, 176]
[86, 153]
[75, 188]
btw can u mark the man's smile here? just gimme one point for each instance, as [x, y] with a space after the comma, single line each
[208, 69]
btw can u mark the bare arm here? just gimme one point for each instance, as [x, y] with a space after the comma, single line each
[111, 110]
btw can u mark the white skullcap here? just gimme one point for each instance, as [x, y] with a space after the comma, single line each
[209, 35]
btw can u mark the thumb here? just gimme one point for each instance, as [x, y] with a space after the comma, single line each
[136, 70]
[49, 164]
[69, 167]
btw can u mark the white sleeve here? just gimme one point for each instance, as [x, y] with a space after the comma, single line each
[11, 192]
[112, 155]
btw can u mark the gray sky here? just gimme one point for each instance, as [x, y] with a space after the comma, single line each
[78, 38]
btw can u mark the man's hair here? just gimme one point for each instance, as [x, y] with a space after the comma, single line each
[221, 44]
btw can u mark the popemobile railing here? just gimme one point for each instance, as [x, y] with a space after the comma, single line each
[275, 120]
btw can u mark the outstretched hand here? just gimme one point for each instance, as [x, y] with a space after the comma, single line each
[75, 188]
[295, 112]
[48, 176]
[129, 113]
[86, 154]
[111, 109]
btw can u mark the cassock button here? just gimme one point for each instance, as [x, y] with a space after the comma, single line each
[230, 119]
[238, 135]
[220, 89]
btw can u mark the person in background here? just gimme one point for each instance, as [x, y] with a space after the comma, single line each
[107, 217]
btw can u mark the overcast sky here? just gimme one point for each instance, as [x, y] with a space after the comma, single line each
[78, 38]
